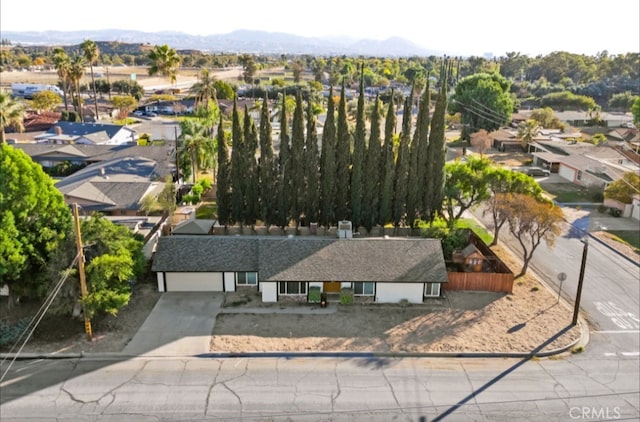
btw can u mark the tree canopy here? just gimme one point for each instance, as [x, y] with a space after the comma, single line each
[623, 189]
[34, 220]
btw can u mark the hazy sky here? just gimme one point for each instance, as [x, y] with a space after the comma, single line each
[455, 27]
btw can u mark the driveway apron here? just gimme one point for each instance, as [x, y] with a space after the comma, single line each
[179, 325]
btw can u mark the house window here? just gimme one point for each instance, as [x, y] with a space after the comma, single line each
[292, 288]
[247, 278]
[432, 289]
[364, 289]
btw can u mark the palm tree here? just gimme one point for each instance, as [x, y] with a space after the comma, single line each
[528, 130]
[165, 61]
[11, 114]
[205, 89]
[62, 64]
[91, 54]
[194, 143]
[76, 72]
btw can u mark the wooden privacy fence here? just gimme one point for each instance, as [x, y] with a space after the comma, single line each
[476, 281]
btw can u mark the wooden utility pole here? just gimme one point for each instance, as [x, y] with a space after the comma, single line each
[83, 280]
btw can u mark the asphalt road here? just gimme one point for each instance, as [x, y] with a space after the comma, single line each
[355, 389]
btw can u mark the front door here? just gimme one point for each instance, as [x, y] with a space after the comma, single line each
[331, 287]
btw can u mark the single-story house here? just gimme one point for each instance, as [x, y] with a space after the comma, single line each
[88, 133]
[384, 270]
[194, 226]
[113, 187]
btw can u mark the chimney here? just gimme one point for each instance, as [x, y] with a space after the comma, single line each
[58, 130]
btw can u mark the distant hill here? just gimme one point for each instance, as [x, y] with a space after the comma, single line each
[241, 41]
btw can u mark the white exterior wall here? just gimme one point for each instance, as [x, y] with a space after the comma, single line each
[229, 282]
[395, 292]
[269, 291]
[346, 285]
[160, 277]
[194, 282]
[567, 173]
[315, 284]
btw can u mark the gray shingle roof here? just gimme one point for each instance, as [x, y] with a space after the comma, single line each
[305, 258]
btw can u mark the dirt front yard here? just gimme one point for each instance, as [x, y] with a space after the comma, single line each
[529, 319]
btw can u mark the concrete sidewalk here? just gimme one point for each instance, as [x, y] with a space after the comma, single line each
[180, 324]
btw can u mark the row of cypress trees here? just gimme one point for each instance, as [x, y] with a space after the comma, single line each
[353, 175]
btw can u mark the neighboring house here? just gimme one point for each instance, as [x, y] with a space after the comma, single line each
[582, 163]
[113, 187]
[51, 155]
[581, 118]
[384, 270]
[88, 133]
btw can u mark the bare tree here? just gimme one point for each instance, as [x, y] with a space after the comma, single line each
[481, 141]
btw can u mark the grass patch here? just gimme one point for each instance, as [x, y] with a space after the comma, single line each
[568, 192]
[207, 211]
[464, 223]
[631, 238]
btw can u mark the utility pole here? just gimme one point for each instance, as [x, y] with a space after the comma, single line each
[576, 308]
[83, 280]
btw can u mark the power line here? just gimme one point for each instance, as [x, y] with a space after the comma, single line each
[33, 324]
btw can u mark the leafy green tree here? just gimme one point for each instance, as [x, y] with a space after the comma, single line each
[484, 102]
[91, 53]
[249, 68]
[622, 101]
[192, 142]
[546, 119]
[421, 147]
[311, 168]
[388, 166]
[372, 171]
[266, 163]
[167, 197]
[531, 222]
[466, 186]
[328, 165]
[12, 113]
[284, 167]
[124, 104]
[624, 189]
[358, 158]
[34, 221]
[45, 100]
[501, 181]
[223, 192]
[76, 72]
[635, 110]
[224, 91]
[567, 100]
[527, 131]
[164, 61]
[343, 159]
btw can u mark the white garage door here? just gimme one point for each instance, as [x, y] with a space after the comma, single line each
[567, 173]
[193, 282]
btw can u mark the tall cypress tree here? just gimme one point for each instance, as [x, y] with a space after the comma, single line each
[437, 149]
[238, 167]
[412, 183]
[422, 136]
[358, 158]
[372, 172]
[328, 166]
[297, 161]
[402, 164]
[343, 158]
[250, 188]
[388, 162]
[223, 189]
[311, 168]
[266, 182]
[284, 168]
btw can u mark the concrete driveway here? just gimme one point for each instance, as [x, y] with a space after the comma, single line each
[179, 325]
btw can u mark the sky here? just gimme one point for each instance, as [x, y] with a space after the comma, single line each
[462, 27]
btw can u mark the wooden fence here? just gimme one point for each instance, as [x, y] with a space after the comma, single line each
[476, 281]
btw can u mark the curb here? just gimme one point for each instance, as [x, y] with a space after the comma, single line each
[583, 339]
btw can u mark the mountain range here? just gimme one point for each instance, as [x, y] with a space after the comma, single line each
[240, 41]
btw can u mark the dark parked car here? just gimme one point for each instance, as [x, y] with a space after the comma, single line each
[534, 171]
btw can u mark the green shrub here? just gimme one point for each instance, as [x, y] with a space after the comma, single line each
[314, 294]
[346, 296]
